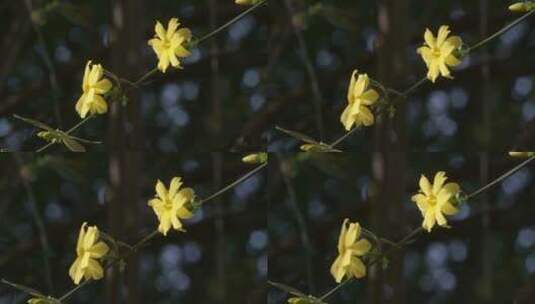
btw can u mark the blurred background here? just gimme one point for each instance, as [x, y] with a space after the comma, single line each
[222, 258]
[488, 256]
[488, 106]
[210, 105]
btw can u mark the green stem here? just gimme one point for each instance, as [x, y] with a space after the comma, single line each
[144, 77]
[229, 23]
[343, 137]
[231, 185]
[414, 87]
[500, 178]
[500, 32]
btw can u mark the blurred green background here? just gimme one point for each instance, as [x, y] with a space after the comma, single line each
[488, 256]
[220, 259]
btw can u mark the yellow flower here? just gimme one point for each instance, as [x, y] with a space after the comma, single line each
[434, 200]
[350, 248]
[255, 158]
[88, 251]
[93, 87]
[359, 97]
[169, 45]
[438, 53]
[522, 7]
[247, 2]
[170, 206]
[521, 154]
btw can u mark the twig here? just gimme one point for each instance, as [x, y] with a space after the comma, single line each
[316, 92]
[43, 238]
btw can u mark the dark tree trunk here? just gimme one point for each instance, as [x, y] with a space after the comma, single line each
[125, 144]
[389, 159]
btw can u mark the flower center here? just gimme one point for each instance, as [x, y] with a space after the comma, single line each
[166, 43]
[436, 52]
[432, 200]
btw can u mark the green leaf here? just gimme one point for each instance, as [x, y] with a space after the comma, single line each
[299, 136]
[34, 123]
[72, 144]
[288, 289]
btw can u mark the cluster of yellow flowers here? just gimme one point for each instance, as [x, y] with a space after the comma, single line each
[170, 45]
[433, 200]
[170, 206]
[439, 53]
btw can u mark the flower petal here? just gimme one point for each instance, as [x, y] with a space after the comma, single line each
[361, 247]
[438, 182]
[443, 33]
[161, 191]
[429, 38]
[159, 30]
[425, 186]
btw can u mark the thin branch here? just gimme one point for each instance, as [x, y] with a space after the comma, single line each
[316, 92]
[43, 238]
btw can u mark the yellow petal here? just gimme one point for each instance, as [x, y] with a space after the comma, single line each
[369, 97]
[73, 271]
[94, 270]
[452, 60]
[161, 191]
[95, 74]
[357, 268]
[425, 186]
[429, 220]
[361, 84]
[433, 72]
[346, 119]
[361, 247]
[80, 242]
[91, 237]
[184, 34]
[351, 87]
[449, 209]
[103, 86]
[455, 41]
[438, 182]
[443, 33]
[365, 117]
[159, 30]
[99, 250]
[163, 64]
[99, 105]
[175, 222]
[351, 234]
[421, 202]
[180, 51]
[429, 38]
[175, 185]
[85, 82]
[172, 58]
[441, 220]
[444, 71]
[171, 27]
[342, 235]
[337, 271]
